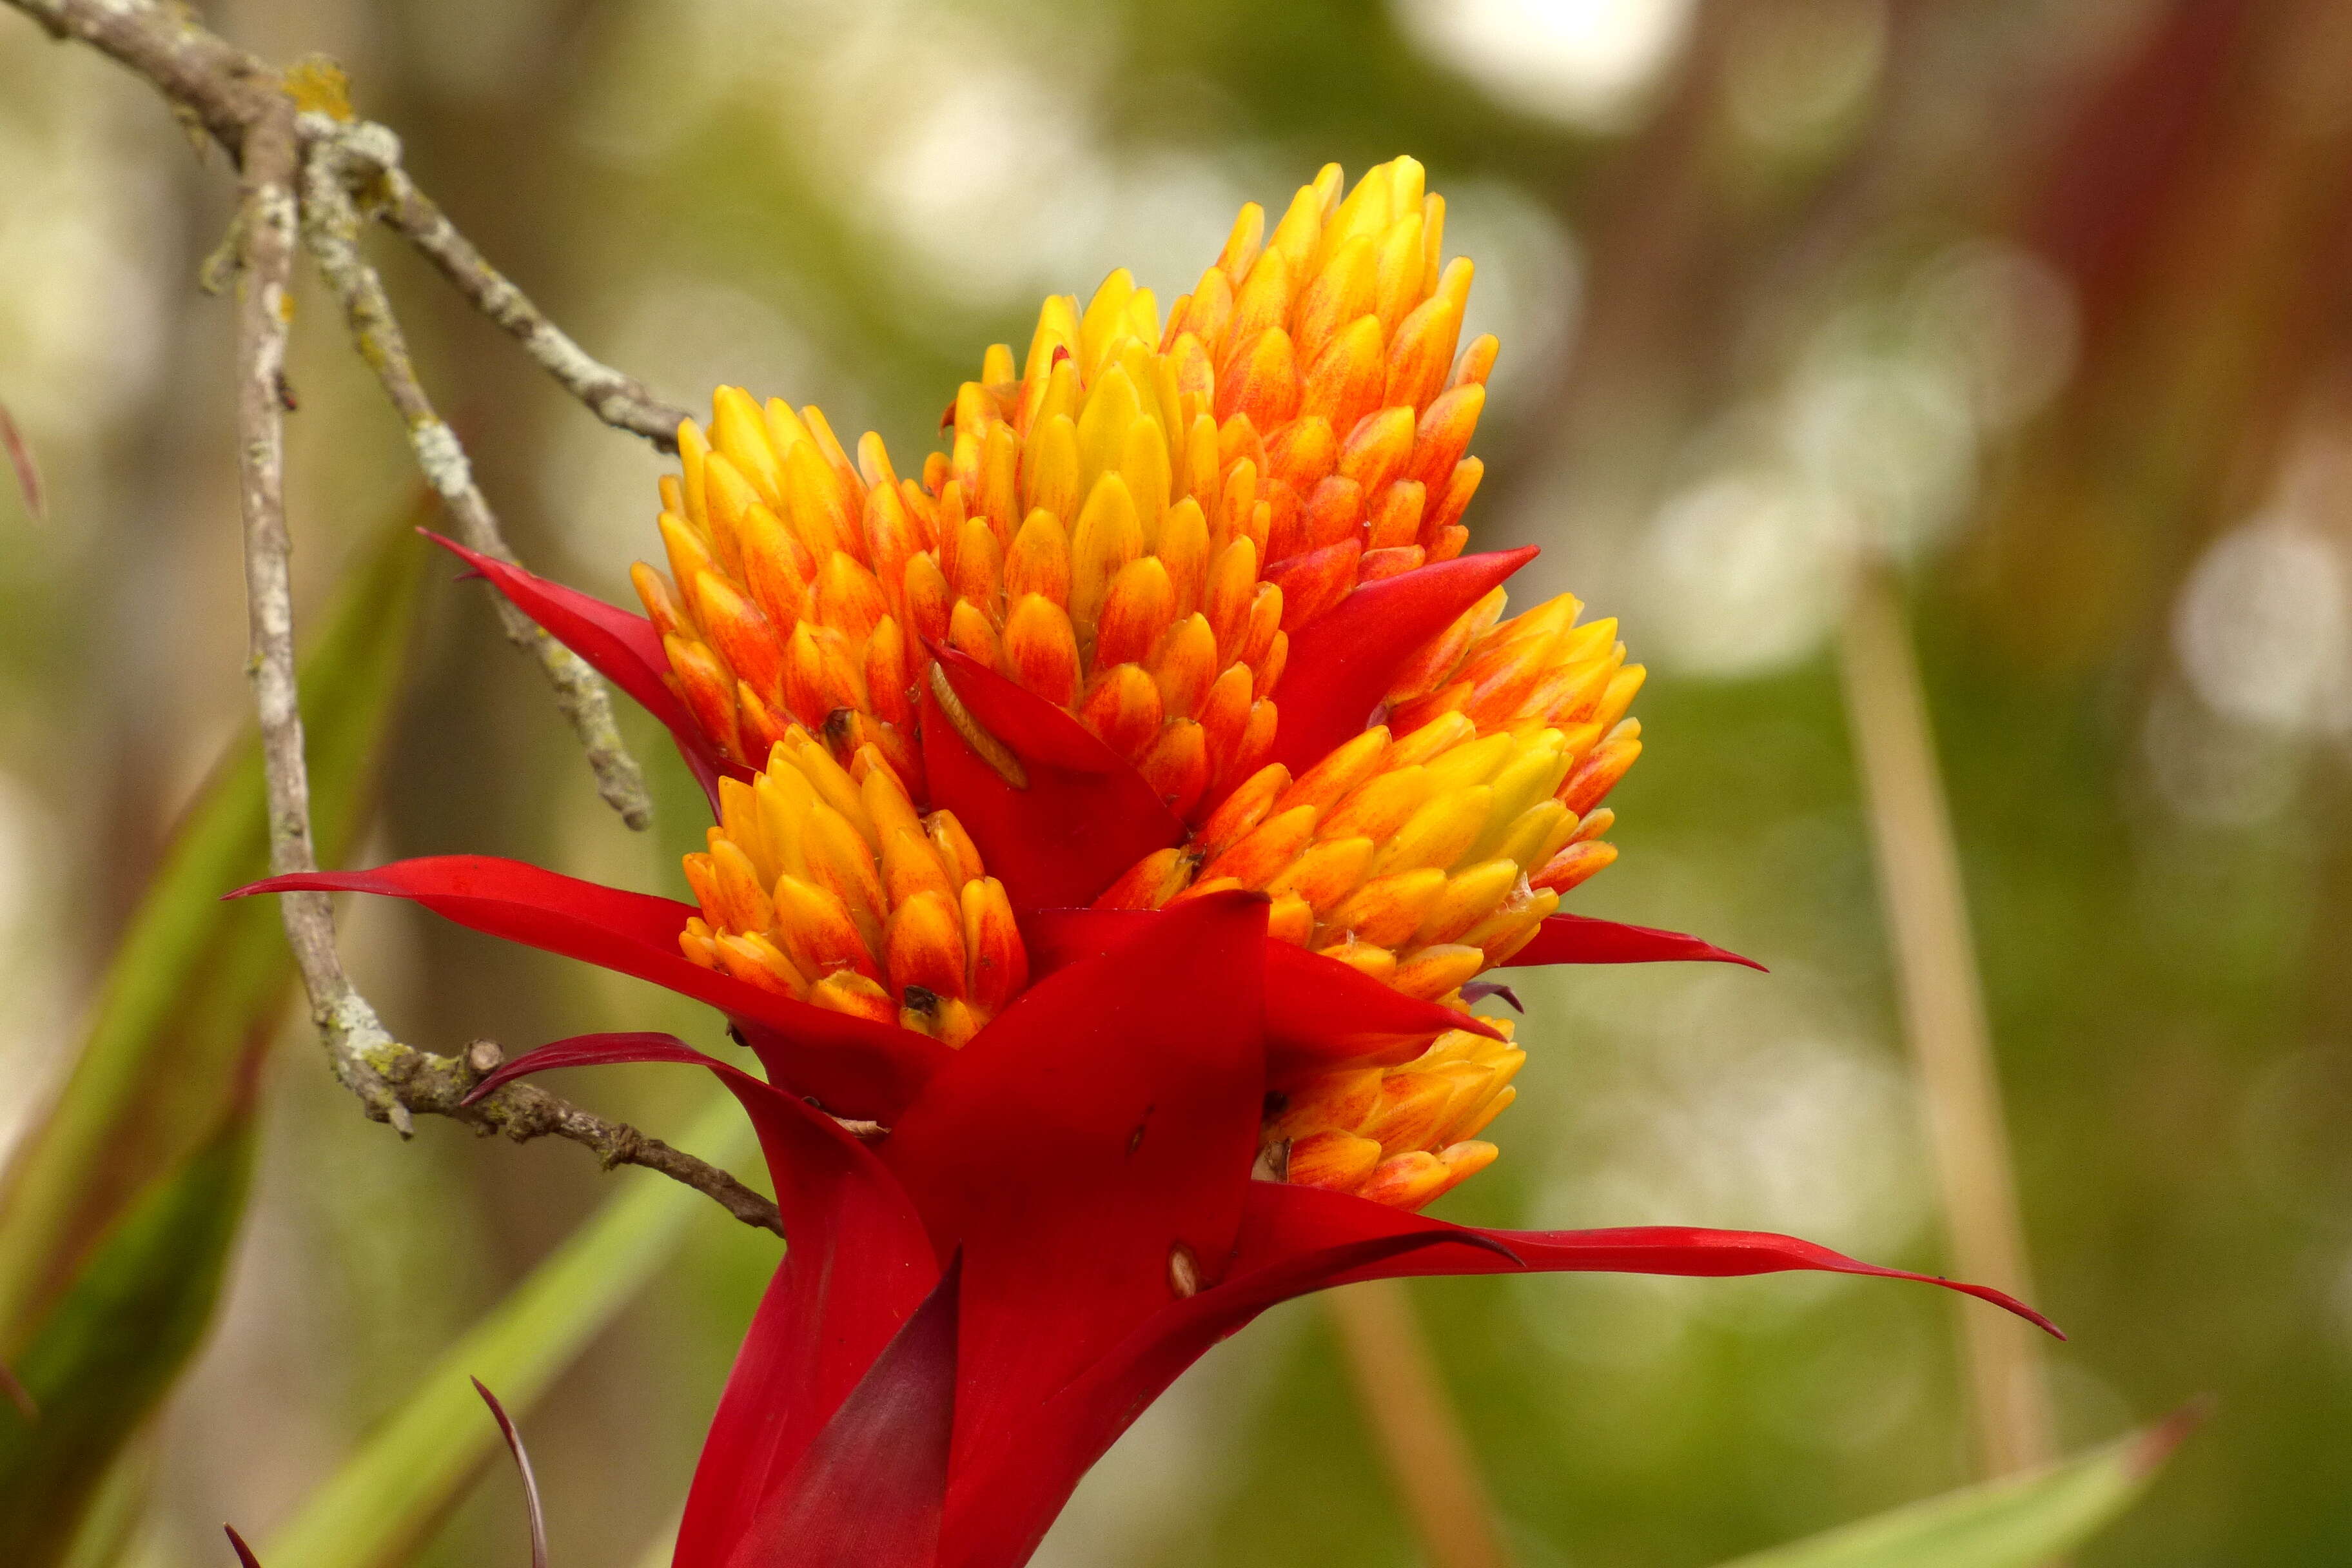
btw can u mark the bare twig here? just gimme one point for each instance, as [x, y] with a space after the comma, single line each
[203, 74]
[438, 1086]
[618, 399]
[393, 1080]
[242, 104]
[1943, 1013]
[330, 221]
[1418, 1431]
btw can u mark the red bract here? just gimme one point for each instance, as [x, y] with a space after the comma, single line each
[1085, 1161]
[1071, 1191]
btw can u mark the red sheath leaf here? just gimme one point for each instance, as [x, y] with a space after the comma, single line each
[1085, 816]
[1580, 939]
[857, 1265]
[1342, 664]
[870, 1490]
[1104, 1120]
[998, 1512]
[855, 1066]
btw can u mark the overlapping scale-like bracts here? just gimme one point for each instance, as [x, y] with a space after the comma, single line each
[1329, 346]
[1109, 550]
[1399, 1135]
[822, 884]
[1425, 855]
[786, 596]
[1130, 525]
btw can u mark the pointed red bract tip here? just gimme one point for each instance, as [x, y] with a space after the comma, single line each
[857, 1066]
[619, 645]
[243, 1552]
[1079, 815]
[1342, 665]
[1581, 938]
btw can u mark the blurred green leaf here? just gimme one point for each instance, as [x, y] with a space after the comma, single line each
[197, 985]
[2014, 1523]
[119, 1208]
[115, 1342]
[378, 1508]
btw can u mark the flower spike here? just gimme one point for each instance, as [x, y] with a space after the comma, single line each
[1119, 814]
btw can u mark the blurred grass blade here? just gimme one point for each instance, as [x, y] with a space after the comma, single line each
[381, 1506]
[197, 985]
[1940, 986]
[118, 1209]
[2014, 1523]
[115, 1342]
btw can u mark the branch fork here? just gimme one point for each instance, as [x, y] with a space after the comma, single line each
[312, 175]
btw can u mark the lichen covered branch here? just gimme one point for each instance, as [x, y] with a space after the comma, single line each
[331, 222]
[267, 227]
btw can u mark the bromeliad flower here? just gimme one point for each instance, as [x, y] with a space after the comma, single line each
[1113, 825]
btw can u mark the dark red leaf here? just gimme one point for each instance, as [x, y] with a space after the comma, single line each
[870, 1490]
[19, 1394]
[243, 1552]
[857, 1264]
[855, 1066]
[1341, 667]
[1580, 939]
[1091, 1146]
[522, 1465]
[28, 472]
[622, 646]
[1083, 815]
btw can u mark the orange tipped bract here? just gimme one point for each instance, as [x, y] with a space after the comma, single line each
[1130, 523]
[823, 884]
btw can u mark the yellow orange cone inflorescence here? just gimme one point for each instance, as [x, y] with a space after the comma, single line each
[1425, 856]
[822, 884]
[1130, 524]
[1399, 1135]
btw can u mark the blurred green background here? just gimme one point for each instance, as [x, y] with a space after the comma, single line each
[2053, 299]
